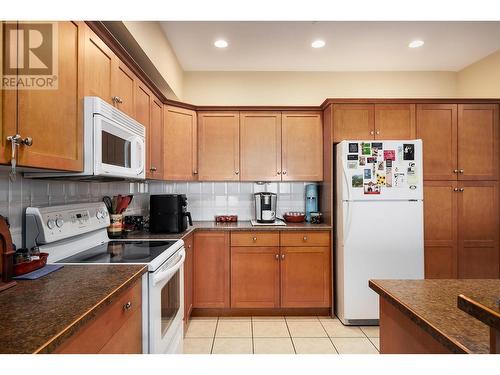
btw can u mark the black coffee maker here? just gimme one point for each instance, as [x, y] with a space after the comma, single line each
[168, 213]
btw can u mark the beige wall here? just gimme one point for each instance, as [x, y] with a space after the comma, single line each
[481, 79]
[154, 43]
[311, 88]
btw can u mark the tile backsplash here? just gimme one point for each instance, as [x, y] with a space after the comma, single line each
[16, 195]
[205, 199]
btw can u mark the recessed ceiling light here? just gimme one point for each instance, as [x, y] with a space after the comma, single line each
[416, 44]
[318, 43]
[221, 43]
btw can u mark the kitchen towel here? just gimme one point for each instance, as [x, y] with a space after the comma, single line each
[49, 268]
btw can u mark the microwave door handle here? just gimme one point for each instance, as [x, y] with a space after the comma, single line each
[139, 147]
[167, 274]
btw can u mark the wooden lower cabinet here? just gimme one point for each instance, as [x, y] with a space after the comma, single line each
[478, 247]
[188, 278]
[305, 277]
[461, 229]
[255, 277]
[211, 269]
[115, 330]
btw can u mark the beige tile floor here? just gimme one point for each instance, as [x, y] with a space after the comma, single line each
[278, 335]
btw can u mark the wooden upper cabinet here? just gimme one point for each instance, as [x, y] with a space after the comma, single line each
[437, 127]
[154, 169]
[219, 151]
[54, 118]
[180, 160]
[8, 104]
[99, 65]
[305, 277]
[123, 87]
[440, 229]
[478, 142]
[260, 146]
[353, 121]
[211, 269]
[394, 121]
[255, 277]
[301, 146]
[478, 233]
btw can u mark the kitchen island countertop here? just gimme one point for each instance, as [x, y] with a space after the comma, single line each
[432, 306]
[38, 315]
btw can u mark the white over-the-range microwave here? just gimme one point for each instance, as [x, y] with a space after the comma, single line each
[114, 145]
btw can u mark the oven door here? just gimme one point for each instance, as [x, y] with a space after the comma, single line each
[166, 306]
[118, 152]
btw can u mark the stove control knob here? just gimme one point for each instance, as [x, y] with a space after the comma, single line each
[51, 223]
[99, 214]
[59, 222]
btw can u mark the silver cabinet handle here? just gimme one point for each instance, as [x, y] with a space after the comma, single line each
[455, 189]
[284, 172]
[277, 256]
[189, 246]
[236, 172]
[254, 239]
[460, 171]
[371, 133]
[117, 99]
[455, 171]
[127, 306]
[28, 141]
[278, 172]
[195, 172]
[305, 238]
[377, 132]
[153, 169]
[282, 256]
[461, 190]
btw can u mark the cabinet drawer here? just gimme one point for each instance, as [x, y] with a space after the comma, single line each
[305, 238]
[96, 334]
[253, 238]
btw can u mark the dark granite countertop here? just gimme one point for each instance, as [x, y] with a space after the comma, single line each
[432, 305]
[37, 316]
[212, 225]
[482, 306]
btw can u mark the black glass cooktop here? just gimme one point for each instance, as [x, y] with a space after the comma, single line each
[121, 252]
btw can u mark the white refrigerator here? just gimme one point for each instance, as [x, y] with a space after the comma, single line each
[379, 222]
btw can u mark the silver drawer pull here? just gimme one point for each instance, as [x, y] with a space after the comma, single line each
[127, 306]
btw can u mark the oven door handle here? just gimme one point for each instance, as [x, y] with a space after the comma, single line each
[168, 273]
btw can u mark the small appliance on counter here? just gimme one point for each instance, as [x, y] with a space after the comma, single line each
[311, 200]
[168, 213]
[265, 207]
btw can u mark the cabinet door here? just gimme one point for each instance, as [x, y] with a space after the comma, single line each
[440, 229]
[143, 107]
[54, 118]
[255, 277]
[395, 121]
[478, 228]
[180, 144]
[353, 121]
[123, 88]
[260, 146]
[155, 141]
[98, 67]
[8, 102]
[437, 127]
[211, 270]
[302, 146]
[219, 150]
[478, 142]
[188, 278]
[305, 277]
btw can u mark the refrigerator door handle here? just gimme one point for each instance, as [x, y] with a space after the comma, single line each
[348, 221]
[346, 179]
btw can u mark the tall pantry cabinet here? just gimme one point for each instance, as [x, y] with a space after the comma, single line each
[461, 202]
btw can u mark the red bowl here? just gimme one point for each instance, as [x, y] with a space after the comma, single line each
[27, 267]
[294, 217]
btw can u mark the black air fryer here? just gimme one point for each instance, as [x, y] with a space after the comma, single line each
[168, 213]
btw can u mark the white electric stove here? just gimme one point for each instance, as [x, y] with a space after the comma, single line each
[76, 234]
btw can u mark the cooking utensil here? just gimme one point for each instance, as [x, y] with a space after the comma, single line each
[114, 204]
[109, 203]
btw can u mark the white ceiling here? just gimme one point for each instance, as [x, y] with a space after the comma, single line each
[350, 46]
